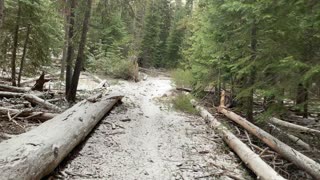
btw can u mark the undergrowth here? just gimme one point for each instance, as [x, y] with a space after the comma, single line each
[182, 103]
[182, 78]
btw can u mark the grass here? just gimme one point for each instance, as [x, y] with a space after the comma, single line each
[182, 103]
[182, 78]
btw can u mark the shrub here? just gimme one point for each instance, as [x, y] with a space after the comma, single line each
[182, 103]
[182, 78]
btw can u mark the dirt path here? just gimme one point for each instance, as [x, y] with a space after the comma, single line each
[143, 139]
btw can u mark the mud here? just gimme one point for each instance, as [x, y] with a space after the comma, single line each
[144, 139]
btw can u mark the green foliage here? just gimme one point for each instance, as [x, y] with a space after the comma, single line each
[46, 34]
[182, 78]
[263, 46]
[182, 102]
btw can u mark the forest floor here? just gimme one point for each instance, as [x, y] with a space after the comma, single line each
[144, 138]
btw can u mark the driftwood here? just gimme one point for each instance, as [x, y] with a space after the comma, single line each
[13, 89]
[251, 159]
[302, 161]
[28, 114]
[293, 126]
[36, 153]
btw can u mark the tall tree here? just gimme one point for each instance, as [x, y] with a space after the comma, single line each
[70, 49]
[15, 46]
[24, 53]
[1, 13]
[71, 96]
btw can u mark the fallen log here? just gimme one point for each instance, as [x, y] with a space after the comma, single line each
[47, 77]
[36, 100]
[4, 94]
[293, 126]
[300, 160]
[251, 159]
[13, 89]
[36, 153]
[28, 114]
[293, 138]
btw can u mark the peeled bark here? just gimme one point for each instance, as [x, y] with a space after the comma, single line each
[29, 114]
[38, 152]
[293, 126]
[252, 160]
[300, 160]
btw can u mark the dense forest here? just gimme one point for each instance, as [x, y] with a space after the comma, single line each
[259, 58]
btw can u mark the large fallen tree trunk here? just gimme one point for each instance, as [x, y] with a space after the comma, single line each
[36, 153]
[302, 161]
[13, 89]
[293, 126]
[29, 114]
[251, 159]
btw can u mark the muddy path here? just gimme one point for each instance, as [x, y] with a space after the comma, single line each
[145, 139]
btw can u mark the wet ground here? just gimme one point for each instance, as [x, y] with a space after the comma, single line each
[144, 139]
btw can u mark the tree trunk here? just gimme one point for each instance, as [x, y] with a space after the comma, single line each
[13, 89]
[71, 96]
[66, 35]
[254, 42]
[25, 46]
[38, 152]
[293, 126]
[1, 15]
[38, 86]
[70, 49]
[250, 159]
[300, 160]
[36, 100]
[302, 99]
[15, 46]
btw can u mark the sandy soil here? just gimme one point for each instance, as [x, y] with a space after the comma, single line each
[145, 139]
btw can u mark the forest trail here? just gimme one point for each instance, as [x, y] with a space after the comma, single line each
[145, 139]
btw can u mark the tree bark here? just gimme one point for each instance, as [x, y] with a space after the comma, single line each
[28, 114]
[302, 99]
[70, 49]
[1, 15]
[25, 46]
[300, 160]
[15, 46]
[71, 96]
[66, 35]
[38, 86]
[293, 126]
[38, 152]
[252, 160]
